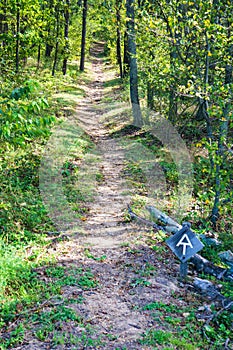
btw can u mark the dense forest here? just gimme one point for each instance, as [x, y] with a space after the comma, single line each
[172, 58]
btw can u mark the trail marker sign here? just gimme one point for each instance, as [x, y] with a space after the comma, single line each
[184, 243]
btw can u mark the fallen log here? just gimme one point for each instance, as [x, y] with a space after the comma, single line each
[171, 226]
[203, 265]
[209, 290]
[144, 221]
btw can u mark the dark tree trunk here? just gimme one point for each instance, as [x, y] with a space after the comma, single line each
[126, 56]
[57, 41]
[3, 22]
[150, 96]
[5, 25]
[203, 108]
[66, 36]
[48, 50]
[173, 108]
[118, 43]
[223, 132]
[48, 46]
[17, 36]
[220, 153]
[38, 56]
[84, 30]
[137, 115]
[172, 112]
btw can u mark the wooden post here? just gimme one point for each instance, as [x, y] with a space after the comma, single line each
[183, 270]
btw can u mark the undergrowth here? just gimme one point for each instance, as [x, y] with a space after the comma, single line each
[30, 106]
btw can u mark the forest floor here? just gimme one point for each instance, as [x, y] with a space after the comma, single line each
[119, 283]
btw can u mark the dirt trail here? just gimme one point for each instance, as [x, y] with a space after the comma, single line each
[106, 215]
[129, 276]
[112, 309]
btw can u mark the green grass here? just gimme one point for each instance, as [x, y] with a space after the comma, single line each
[76, 276]
[168, 339]
[178, 328]
[17, 277]
[35, 302]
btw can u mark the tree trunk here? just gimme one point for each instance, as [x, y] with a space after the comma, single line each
[48, 46]
[223, 131]
[17, 36]
[118, 42]
[173, 107]
[84, 30]
[57, 41]
[66, 36]
[150, 96]
[3, 22]
[38, 56]
[48, 50]
[220, 153]
[172, 112]
[137, 115]
[126, 56]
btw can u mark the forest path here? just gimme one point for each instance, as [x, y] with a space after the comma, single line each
[128, 274]
[105, 222]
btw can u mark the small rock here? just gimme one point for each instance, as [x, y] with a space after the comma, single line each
[227, 258]
[134, 325]
[207, 288]
[203, 285]
[204, 308]
[201, 308]
[209, 241]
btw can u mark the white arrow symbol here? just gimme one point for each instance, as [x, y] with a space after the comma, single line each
[185, 242]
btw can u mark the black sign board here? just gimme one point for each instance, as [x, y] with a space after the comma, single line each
[184, 243]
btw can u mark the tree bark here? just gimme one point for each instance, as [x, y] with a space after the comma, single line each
[17, 36]
[48, 50]
[38, 56]
[84, 31]
[203, 108]
[137, 115]
[222, 137]
[118, 42]
[57, 41]
[3, 22]
[150, 96]
[66, 36]
[48, 46]
[126, 56]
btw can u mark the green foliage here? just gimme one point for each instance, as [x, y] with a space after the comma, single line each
[59, 313]
[23, 213]
[160, 337]
[161, 306]
[183, 330]
[140, 282]
[75, 277]
[91, 256]
[16, 337]
[17, 276]
[24, 115]
[22, 289]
